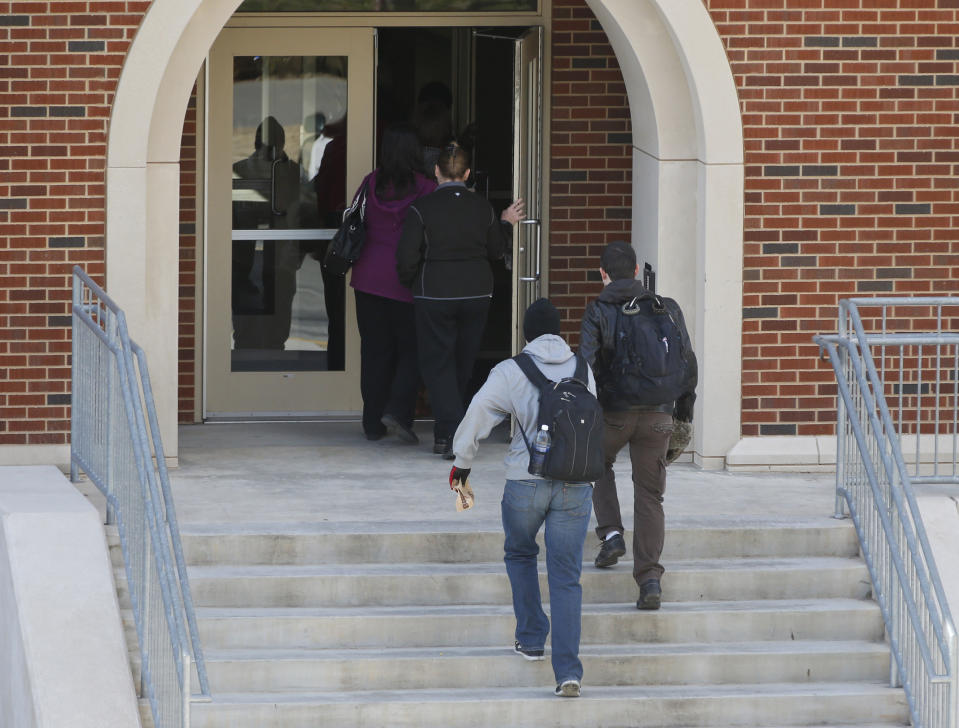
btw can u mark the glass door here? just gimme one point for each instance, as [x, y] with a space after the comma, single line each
[527, 175]
[290, 137]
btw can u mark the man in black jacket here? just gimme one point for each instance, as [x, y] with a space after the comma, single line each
[638, 410]
[449, 238]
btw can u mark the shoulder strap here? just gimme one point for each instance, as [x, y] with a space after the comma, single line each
[359, 202]
[580, 372]
[532, 372]
[525, 362]
[362, 197]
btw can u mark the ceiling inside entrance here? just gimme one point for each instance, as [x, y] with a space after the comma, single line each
[386, 6]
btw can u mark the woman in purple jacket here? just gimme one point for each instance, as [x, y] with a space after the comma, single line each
[389, 375]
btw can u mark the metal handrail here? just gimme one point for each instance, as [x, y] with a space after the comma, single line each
[113, 424]
[875, 484]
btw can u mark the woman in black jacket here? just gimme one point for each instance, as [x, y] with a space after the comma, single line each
[449, 237]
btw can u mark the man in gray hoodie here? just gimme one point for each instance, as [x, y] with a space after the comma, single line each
[529, 501]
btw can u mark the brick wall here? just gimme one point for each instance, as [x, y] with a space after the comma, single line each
[187, 338]
[59, 62]
[849, 115]
[590, 185]
[849, 111]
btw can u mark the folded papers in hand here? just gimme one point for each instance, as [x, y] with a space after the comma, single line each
[464, 496]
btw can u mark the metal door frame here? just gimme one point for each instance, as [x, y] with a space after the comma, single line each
[286, 22]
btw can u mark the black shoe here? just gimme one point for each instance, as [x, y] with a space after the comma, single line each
[394, 426]
[650, 595]
[439, 446]
[610, 551]
[448, 452]
[374, 435]
[526, 654]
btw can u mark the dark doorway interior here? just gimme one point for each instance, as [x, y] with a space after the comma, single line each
[476, 66]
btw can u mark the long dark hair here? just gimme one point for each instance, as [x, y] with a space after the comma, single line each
[400, 157]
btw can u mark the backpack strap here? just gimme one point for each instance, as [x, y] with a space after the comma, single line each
[580, 372]
[631, 307]
[525, 362]
[532, 372]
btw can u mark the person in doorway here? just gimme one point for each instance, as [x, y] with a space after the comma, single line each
[444, 253]
[530, 501]
[329, 185]
[389, 373]
[433, 119]
[639, 408]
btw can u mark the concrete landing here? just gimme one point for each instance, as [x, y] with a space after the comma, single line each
[326, 476]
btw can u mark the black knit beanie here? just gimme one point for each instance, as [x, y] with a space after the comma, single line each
[541, 318]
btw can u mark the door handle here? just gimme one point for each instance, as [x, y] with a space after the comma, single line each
[273, 208]
[536, 276]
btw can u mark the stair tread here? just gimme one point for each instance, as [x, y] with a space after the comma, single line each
[432, 528]
[593, 650]
[647, 692]
[466, 610]
[496, 567]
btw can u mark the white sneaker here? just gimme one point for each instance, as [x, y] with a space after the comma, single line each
[568, 689]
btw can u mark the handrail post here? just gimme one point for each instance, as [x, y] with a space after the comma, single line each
[840, 508]
[74, 379]
[953, 698]
[112, 376]
[185, 697]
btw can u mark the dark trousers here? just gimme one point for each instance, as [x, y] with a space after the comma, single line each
[449, 334]
[389, 374]
[647, 434]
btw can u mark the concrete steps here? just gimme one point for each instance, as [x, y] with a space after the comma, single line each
[417, 668]
[486, 583]
[762, 624]
[372, 543]
[775, 704]
[464, 625]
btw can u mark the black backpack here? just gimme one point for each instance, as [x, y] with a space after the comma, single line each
[575, 421]
[648, 363]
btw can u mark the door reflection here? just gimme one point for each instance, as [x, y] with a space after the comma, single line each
[287, 312]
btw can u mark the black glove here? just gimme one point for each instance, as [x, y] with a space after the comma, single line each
[683, 411]
[458, 476]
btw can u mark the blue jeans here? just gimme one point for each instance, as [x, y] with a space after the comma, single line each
[565, 507]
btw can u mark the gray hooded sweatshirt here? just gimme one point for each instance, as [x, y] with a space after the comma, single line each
[506, 392]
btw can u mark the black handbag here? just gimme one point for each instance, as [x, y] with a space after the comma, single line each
[347, 243]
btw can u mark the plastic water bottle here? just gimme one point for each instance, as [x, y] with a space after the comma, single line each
[541, 445]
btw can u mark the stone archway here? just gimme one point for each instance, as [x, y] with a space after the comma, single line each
[688, 188]
[143, 181]
[688, 154]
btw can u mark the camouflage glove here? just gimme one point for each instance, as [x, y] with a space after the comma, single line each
[682, 434]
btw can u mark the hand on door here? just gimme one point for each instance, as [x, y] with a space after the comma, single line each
[514, 213]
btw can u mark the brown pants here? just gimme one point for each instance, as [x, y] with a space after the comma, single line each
[648, 436]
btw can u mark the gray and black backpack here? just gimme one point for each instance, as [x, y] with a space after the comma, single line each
[575, 420]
